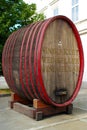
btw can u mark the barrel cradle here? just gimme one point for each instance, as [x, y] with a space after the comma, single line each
[44, 60]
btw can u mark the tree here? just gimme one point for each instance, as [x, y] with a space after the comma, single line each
[15, 14]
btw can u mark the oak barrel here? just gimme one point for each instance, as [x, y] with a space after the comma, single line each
[44, 60]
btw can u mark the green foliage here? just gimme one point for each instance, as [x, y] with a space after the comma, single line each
[13, 15]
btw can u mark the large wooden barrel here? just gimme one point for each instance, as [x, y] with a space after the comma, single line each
[45, 60]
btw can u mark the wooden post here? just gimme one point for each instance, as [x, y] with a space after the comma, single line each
[16, 98]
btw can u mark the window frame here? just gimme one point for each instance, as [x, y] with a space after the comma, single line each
[75, 10]
[55, 11]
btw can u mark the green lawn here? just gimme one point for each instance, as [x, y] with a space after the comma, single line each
[5, 91]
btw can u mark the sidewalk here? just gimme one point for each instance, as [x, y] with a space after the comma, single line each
[12, 120]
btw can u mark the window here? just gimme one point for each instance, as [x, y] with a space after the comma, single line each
[74, 2]
[55, 11]
[75, 10]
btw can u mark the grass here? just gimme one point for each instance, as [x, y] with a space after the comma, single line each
[5, 91]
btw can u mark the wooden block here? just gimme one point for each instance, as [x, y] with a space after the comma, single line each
[42, 111]
[49, 111]
[39, 104]
[36, 109]
[69, 109]
[11, 104]
[24, 109]
[39, 115]
[16, 98]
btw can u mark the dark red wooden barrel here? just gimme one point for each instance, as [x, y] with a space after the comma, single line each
[45, 60]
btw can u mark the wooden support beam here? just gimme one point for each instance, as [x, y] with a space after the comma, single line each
[39, 104]
[16, 98]
[38, 109]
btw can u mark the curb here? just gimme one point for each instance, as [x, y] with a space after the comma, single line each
[5, 95]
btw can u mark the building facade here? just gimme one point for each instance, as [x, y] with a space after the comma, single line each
[73, 9]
